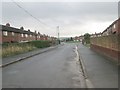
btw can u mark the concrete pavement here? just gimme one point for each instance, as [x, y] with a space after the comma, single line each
[101, 72]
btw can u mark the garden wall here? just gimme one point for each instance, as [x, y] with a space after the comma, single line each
[109, 46]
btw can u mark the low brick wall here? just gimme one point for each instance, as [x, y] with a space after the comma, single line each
[108, 46]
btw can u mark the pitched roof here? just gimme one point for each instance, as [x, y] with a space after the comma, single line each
[12, 29]
[111, 25]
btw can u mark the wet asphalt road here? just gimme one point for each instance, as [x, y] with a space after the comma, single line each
[53, 69]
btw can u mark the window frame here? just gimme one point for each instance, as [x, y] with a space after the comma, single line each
[26, 35]
[13, 33]
[22, 35]
[114, 26]
[5, 33]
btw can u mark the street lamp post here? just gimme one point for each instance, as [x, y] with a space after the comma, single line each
[58, 34]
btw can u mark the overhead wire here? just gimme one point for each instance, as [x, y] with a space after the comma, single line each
[41, 22]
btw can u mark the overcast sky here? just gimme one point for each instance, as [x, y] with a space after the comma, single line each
[74, 18]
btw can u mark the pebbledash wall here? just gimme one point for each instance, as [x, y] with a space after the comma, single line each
[108, 45]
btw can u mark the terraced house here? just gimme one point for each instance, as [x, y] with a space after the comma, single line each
[108, 43]
[114, 28]
[10, 34]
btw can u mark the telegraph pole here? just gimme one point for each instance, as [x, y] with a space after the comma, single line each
[58, 34]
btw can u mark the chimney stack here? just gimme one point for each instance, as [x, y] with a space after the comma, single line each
[21, 28]
[7, 24]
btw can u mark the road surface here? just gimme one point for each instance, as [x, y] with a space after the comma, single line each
[58, 68]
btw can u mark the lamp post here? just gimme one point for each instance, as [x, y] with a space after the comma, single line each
[58, 34]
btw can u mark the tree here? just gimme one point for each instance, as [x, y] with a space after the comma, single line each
[71, 39]
[87, 38]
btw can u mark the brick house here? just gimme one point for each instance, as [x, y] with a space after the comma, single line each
[108, 44]
[77, 38]
[11, 34]
[113, 28]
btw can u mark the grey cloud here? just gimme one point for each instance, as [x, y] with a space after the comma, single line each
[60, 13]
[53, 9]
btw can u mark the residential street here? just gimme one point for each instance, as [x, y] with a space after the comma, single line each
[60, 44]
[58, 68]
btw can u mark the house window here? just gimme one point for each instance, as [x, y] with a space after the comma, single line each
[13, 33]
[26, 35]
[30, 35]
[5, 33]
[114, 26]
[22, 35]
[38, 36]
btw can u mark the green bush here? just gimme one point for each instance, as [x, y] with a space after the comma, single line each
[40, 44]
[86, 39]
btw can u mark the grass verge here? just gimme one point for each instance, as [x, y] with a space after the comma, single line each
[10, 49]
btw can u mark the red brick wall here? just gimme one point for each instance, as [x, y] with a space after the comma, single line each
[10, 38]
[111, 54]
[7, 38]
